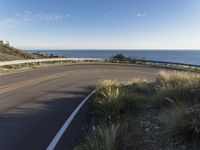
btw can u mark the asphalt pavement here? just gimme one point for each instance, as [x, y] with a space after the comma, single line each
[35, 104]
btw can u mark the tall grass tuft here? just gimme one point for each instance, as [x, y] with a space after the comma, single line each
[179, 86]
[181, 116]
[107, 99]
[108, 92]
[113, 101]
[181, 120]
[103, 138]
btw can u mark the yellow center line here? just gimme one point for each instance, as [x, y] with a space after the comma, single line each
[31, 82]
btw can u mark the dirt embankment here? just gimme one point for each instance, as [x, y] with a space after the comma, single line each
[10, 53]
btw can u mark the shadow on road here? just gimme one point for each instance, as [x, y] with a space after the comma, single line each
[33, 125]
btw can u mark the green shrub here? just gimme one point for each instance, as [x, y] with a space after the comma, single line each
[112, 102]
[106, 100]
[119, 57]
[181, 120]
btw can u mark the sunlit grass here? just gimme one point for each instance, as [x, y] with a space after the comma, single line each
[103, 138]
[178, 94]
[179, 86]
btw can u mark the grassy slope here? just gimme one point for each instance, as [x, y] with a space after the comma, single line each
[146, 116]
[10, 53]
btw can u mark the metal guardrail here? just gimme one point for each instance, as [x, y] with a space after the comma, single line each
[172, 65]
[145, 61]
[16, 62]
[168, 63]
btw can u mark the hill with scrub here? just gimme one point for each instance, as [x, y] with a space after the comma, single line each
[8, 52]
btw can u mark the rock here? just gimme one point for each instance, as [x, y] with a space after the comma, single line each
[147, 129]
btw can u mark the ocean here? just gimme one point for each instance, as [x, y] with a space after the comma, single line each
[180, 56]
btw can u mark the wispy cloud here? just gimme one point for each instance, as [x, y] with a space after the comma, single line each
[28, 16]
[106, 15]
[8, 23]
[97, 19]
[141, 14]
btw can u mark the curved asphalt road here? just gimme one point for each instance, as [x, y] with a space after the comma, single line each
[35, 104]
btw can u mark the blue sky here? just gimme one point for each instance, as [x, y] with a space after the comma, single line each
[101, 24]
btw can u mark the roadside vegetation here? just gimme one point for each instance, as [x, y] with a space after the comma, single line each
[29, 66]
[139, 115]
[8, 52]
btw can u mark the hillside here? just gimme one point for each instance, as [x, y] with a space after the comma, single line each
[10, 53]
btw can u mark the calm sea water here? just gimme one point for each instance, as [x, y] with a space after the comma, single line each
[181, 56]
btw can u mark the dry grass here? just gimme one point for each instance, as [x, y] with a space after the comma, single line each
[103, 138]
[179, 86]
[179, 114]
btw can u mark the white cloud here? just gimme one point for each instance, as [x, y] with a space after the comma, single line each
[106, 15]
[28, 16]
[141, 14]
[8, 23]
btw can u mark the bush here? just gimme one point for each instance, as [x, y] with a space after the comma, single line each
[119, 57]
[181, 120]
[140, 86]
[112, 101]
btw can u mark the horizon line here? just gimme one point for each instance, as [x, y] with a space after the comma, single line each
[111, 49]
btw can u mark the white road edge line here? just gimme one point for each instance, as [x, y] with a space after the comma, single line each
[56, 139]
